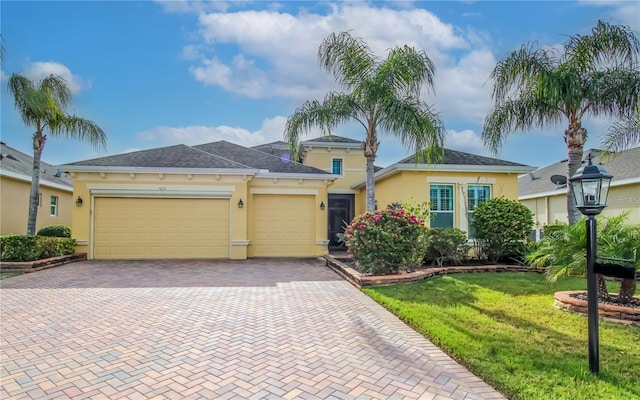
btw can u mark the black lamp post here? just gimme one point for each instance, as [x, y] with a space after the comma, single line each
[590, 187]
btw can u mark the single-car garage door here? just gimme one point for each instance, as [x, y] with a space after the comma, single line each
[283, 226]
[160, 228]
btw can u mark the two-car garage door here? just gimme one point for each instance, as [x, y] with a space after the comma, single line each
[136, 228]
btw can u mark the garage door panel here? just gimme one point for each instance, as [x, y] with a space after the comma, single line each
[283, 226]
[161, 228]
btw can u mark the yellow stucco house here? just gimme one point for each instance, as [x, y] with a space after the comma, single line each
[544, 191]
[221, 200]
[55, 195]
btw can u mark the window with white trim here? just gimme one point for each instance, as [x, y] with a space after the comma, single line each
[53, 206]
[336, 166]
[441, 205]
[476, 195]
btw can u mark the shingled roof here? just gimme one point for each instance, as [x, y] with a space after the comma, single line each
[623, 166]
[19, 165]
[220, 155]
[257, 159]
[333, 139]
[455, 157]
[178, 156]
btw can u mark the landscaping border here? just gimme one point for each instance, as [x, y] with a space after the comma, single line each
[609, 312]
[38, 265]
[359, 281]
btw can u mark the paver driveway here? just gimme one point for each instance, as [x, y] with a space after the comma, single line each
[256, 329]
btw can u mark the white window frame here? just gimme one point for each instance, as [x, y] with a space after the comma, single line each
[341, 166]
[474, 202]
[53, 206]
[436, 209]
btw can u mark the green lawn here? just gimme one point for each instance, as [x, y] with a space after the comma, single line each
[5, 275]
[505, 329]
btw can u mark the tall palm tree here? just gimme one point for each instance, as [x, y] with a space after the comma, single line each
[379, 95]
[534, 87]
[43, 105]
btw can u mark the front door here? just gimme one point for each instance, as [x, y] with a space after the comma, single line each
[340, 214]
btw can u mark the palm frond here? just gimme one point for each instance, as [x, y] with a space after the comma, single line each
[337, 108]
[623, 134]
[612, 92]
[419, 128]
[614, 45]
[512, 115]
[520, 69]
[407, 71]
[348, 58]
[77, 128]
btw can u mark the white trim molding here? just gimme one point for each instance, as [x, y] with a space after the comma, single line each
[307, 192]
[43, 181]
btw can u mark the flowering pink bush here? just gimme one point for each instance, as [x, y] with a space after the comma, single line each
[381, 242]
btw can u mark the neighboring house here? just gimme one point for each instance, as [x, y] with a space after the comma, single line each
[544, 191]
[221, 200]
[55, 194]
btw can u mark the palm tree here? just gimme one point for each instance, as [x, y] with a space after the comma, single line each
[533, 87]
[43, 105]
[379, 95]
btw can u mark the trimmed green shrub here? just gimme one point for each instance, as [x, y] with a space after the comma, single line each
[31, 248]
[502, 226]
[61, 231]
[446, 245]
[382, 242]
[18, 248]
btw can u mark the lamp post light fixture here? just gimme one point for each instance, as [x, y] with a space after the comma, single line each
[590, 186]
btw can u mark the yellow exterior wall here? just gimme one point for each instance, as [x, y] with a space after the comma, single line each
[553, 209]
[405, 185]
[242, 187]
[354, 170]
[14, 206]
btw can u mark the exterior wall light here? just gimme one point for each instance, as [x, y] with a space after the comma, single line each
[240, 204]
[79, 201]
[590, 186]
[322, 205]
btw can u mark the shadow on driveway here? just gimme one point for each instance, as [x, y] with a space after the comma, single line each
[175, 273]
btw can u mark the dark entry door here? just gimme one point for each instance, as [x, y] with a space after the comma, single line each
[340, 214]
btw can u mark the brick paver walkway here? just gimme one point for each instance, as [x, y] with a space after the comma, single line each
[257, 329]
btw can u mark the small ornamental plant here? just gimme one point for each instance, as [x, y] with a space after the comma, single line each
[381, 242]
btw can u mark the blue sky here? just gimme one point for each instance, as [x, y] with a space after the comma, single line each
[153, 74]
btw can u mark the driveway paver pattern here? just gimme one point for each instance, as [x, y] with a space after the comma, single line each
[212, 329]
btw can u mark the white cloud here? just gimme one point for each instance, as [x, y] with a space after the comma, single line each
[623, 12]
[271, 130]
[465, 140]
[276, 52]
[40, 70]
[463, 89]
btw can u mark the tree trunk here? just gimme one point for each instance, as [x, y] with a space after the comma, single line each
[38, 146]
[627, 290]
[603, 293]
[575, 136]
[370, 150]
